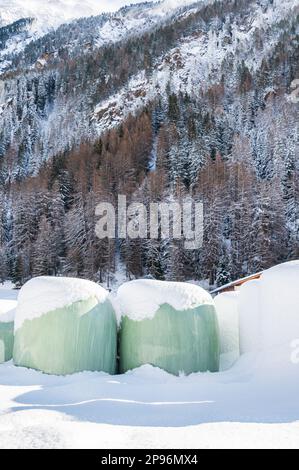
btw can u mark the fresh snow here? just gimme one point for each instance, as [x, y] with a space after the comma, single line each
[248, 406]
[142, 298]
[45, 294]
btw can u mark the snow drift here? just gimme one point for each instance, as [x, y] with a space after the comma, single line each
[169, 325]
[65, 325]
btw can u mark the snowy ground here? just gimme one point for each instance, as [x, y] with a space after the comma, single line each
[254, 404]
[146, 408]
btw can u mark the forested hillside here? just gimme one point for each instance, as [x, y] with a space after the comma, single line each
[156, 105]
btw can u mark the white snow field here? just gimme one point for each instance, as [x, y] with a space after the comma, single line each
[148, 408]
[252, 405]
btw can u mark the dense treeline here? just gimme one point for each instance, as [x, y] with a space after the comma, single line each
[250, 212]
[232, 143]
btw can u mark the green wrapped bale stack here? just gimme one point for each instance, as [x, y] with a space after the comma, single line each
[64, 326]
[7, 315]
[169, 325]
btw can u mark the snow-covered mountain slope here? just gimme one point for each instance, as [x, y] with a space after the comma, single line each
[196, 62]
[52, 13]
[131, 21]
[44, 17]
[151, 50]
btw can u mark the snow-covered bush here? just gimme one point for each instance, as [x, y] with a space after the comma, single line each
[250, 316]
[169, 325]
[228, 318]
[7, 315]
[280, 305]
[65, 325]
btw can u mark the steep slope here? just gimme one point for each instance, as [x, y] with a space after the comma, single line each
[185, 52]
[198, 59]
[46, 65]
[53, 13]
[42, 17]
[45, 17]
[31, 24]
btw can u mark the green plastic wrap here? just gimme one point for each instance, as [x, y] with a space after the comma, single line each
[79, 337]
[176, 341]
[6, 341]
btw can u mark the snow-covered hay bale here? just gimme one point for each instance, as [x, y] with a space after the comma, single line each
[250, 316]
[7, 315]
[226, 305]
[65, 325]
[280, 305]
[168, 325]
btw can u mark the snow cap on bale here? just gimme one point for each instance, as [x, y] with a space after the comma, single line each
[45, 294]
[169, 325]
[140, 299]
[65, 325]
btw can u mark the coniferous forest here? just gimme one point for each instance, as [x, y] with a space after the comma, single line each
[199, 102]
